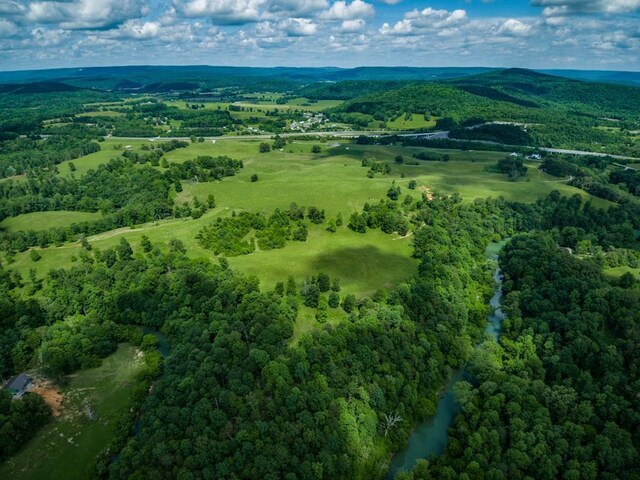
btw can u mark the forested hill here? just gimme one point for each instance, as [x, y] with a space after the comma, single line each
[513, 94]
[127, 78]
[134, 78]
[530, 88]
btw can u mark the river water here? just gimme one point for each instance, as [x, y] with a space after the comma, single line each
[430, 436]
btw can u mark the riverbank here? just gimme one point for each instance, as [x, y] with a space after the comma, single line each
[430, 436]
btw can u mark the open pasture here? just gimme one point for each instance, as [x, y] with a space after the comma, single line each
[38, 221]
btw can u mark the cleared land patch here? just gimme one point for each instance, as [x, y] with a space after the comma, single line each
[37, 221]
[67, 446]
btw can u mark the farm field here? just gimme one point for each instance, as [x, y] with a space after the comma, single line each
[263, 106]
[333, 180]
[67, 446]
[416, 121]
[37, 221]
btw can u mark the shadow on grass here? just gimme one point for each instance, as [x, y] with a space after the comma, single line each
[367, 265]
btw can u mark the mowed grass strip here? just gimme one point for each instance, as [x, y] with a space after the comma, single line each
[67, 446]
[38, 221]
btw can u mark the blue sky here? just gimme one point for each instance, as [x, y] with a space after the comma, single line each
[580, 34]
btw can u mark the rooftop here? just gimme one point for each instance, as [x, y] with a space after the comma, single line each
[18, 383]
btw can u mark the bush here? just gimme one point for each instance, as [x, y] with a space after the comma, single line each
[334, 300]
[264, 147]
[254, 178]
[34, 255]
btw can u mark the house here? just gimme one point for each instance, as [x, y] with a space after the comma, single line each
[18, 385]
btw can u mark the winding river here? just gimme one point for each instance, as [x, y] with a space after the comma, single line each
[430, 436]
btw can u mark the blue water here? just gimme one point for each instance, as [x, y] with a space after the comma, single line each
[430, 436]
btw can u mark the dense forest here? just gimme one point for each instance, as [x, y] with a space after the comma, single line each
[558, 396]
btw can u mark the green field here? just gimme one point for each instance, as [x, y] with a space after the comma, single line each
[37, 221]
[617, 272]
[67, 446]
[333, 180]
[101, 113]
[110, 148]
[416, 121]
[259, 106]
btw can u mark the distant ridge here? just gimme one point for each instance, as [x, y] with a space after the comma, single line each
[166, 78]
[37, 87]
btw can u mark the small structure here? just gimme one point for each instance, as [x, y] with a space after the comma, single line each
[18, 385]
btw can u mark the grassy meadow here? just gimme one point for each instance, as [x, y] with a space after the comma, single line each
[37, 221]
[617, 272]
[69, 444]
[109, 149]
[333, 180]
[416, 121]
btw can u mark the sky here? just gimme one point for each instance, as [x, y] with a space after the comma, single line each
[567, 34]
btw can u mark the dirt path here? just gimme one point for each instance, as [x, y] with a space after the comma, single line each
[565, 180]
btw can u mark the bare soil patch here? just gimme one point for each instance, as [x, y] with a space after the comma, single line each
[49, 394]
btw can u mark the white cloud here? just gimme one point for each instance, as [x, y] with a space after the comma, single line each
[85, 14]
[515, 27]
[299, 27]
[426, 20]
[139, 30]
[432, 18]
[7, 28]
[569, 7]
[298, 8]
[403, 27]
[44, 37]
[224, 12]
[11, 8]
[352, 26]
[342, 10]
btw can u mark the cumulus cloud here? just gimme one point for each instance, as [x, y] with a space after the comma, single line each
[432, 18]
[298, 8]
[569, 7]
[44, 37]
[515, 27]
[85, 14]
[352, 26]
[11, 8]
[428, 19]
[224, 12]
[342, 10]
[139, 30]
[403, 27]
[299, 27]
[7, 28]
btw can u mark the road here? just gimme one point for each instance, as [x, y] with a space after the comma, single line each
[440, 135]
[580, 152]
